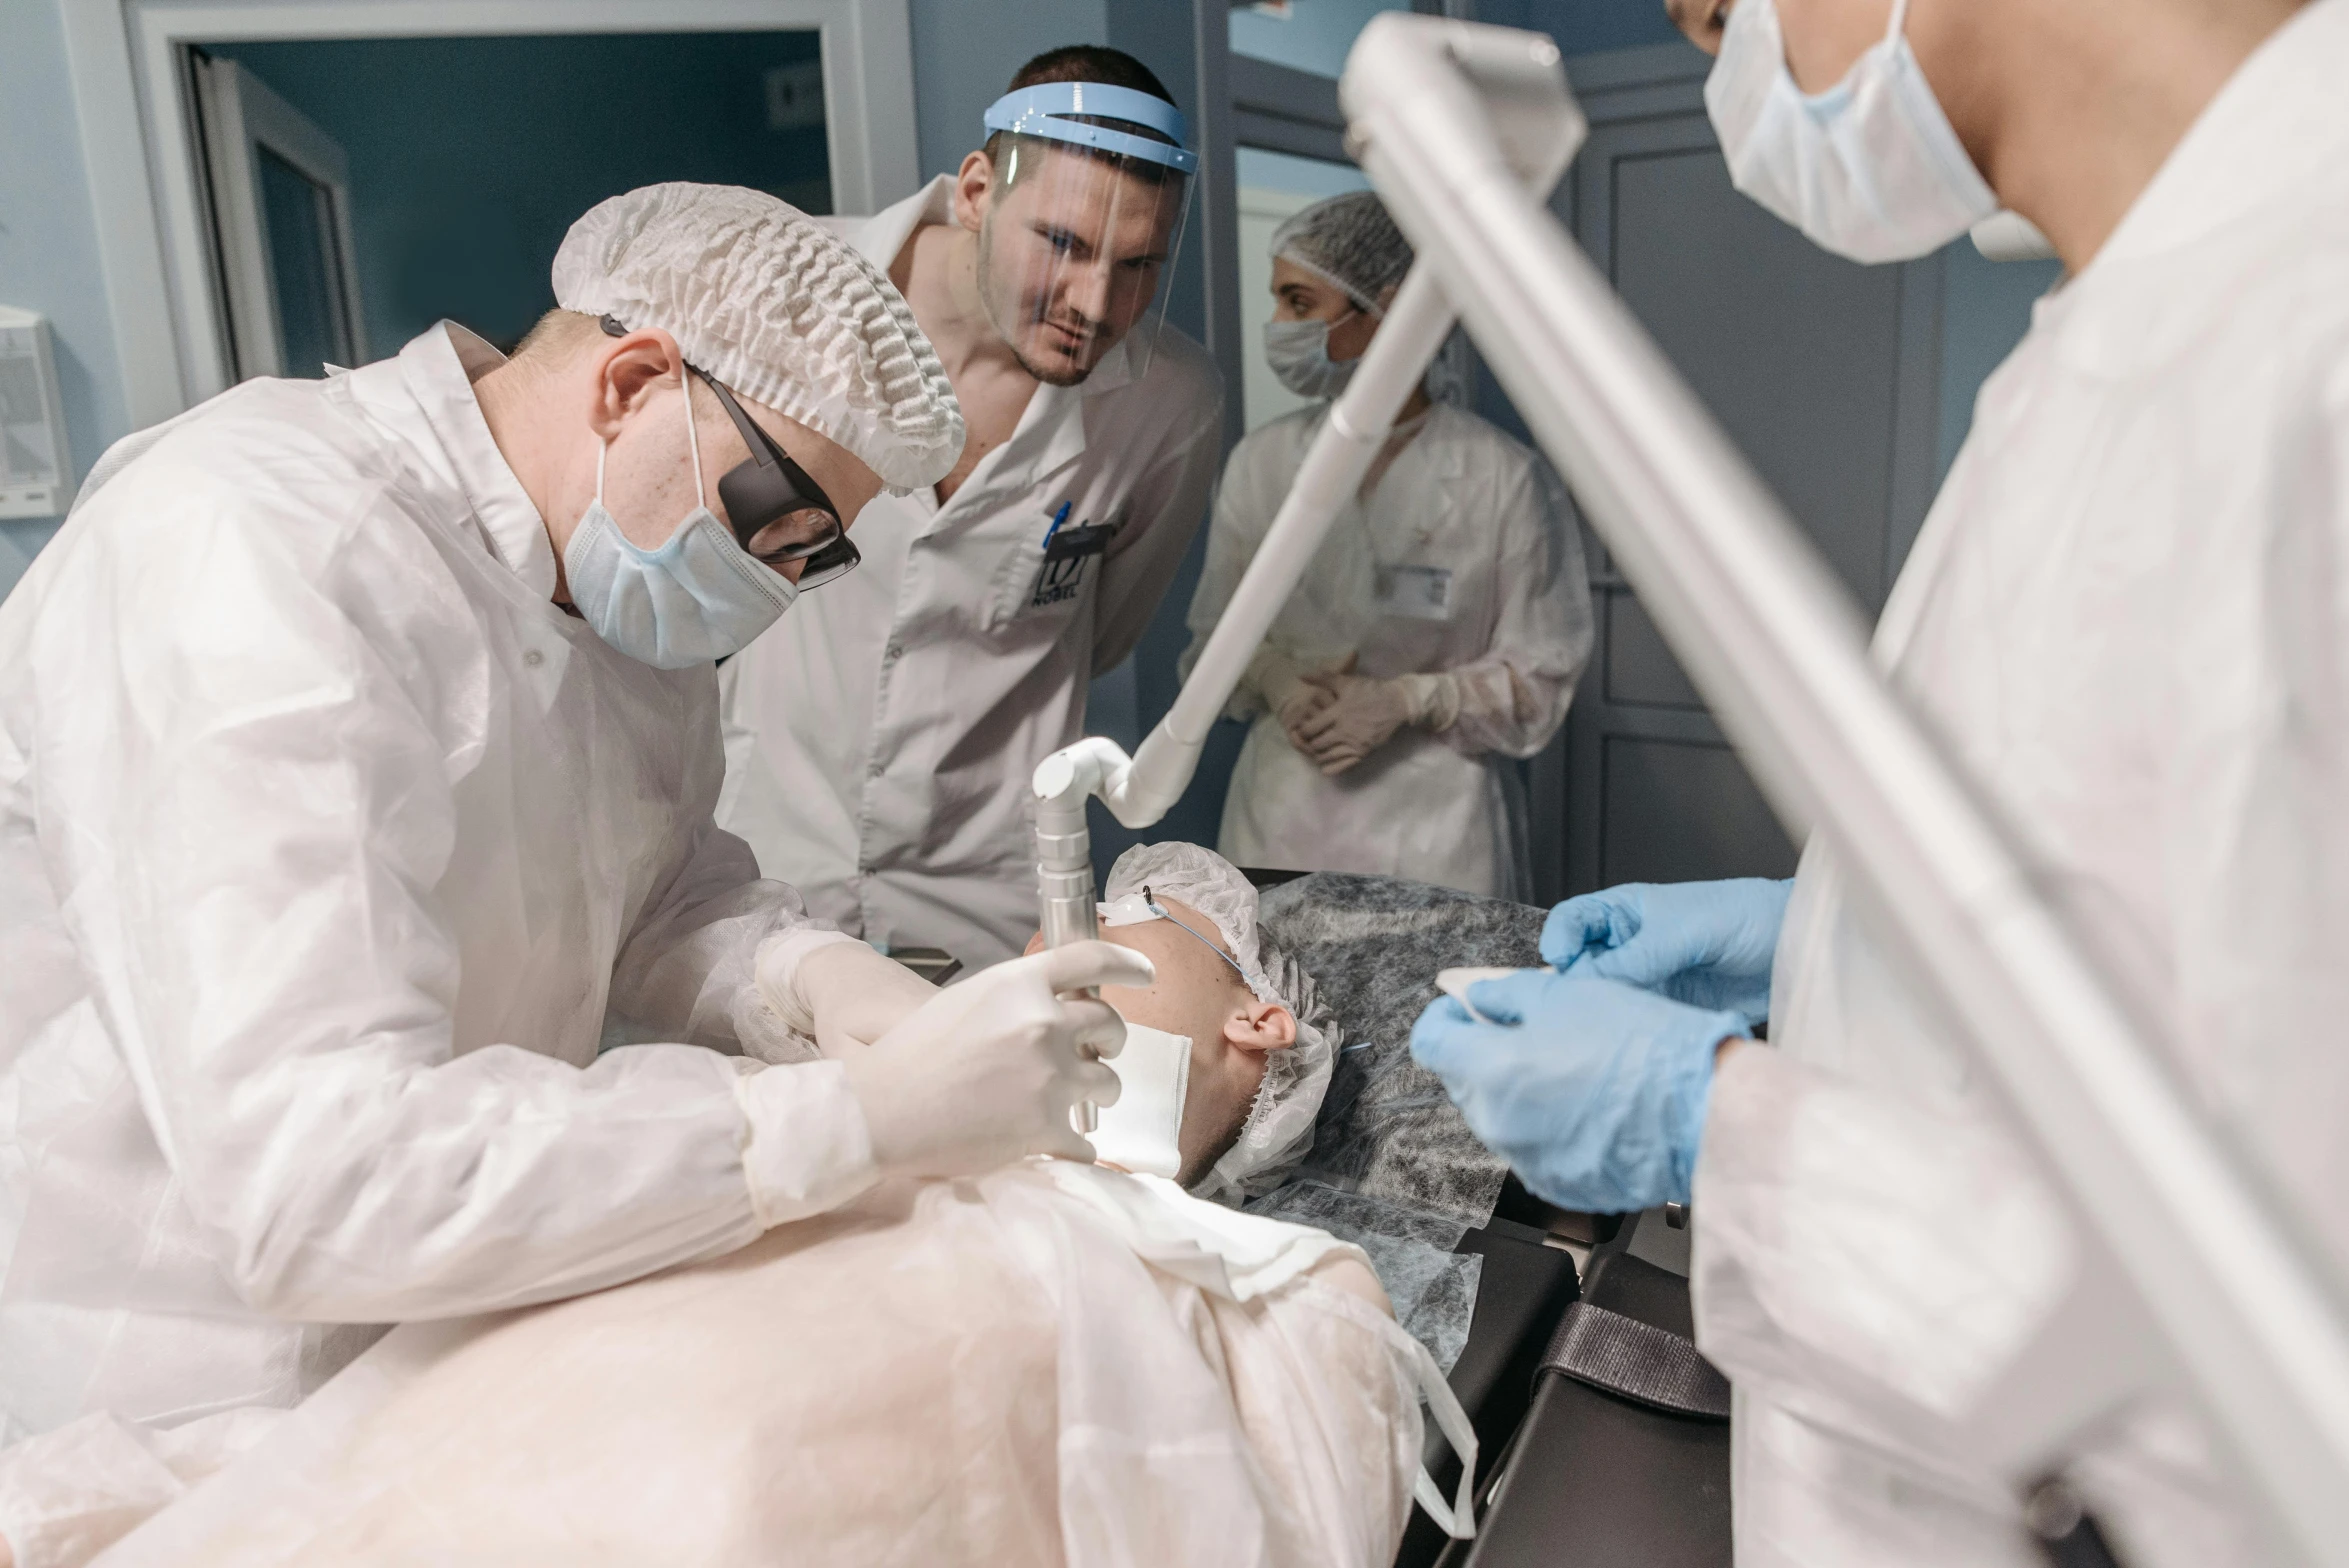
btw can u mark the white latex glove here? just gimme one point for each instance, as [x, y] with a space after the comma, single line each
[1278, 680]
[1304, 705]
[853, 995]
[1363, 714]
[986, 1072]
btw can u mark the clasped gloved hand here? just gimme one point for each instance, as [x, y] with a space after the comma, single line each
[986, 1071]
[1709, 944]
[1592, 1090]
[1360, 716]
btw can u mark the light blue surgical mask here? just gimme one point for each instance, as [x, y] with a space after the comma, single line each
[698, 598]
[1870, 169]
[1298, 352]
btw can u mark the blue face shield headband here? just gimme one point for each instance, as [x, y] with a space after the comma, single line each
[1058, 111]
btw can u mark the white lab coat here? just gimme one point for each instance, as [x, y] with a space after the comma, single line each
[879, 740]
[1460, 498]
[327, 844]
[2129, 617]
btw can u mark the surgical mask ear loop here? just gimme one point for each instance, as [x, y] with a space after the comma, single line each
[701, 500]
[603, 448]
[1891, 40]
[1900, 21]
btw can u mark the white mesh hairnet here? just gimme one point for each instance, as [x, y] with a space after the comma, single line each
[762, 297]
[1349, 242]
[1279, 1128]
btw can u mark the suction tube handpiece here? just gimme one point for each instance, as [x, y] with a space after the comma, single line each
[1067, 910]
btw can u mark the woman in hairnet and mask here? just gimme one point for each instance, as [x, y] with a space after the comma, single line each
[1436, 636]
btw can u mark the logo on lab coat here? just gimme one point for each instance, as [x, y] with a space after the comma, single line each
[1067, 554]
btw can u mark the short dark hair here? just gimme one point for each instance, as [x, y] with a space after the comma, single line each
[1096, 63]
[1089, 63]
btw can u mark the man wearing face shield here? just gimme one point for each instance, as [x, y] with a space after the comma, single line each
[879, 748]
[2125, 619]
[358, 754]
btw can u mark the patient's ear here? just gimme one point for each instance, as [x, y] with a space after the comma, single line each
[1035, 946]
[1261, 1026]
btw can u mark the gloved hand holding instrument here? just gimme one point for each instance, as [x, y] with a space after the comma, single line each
[1709, 944]
[1594, 1091]
[987, 1071]
[1591, 1077]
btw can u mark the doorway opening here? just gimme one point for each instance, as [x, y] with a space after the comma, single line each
[358, 190]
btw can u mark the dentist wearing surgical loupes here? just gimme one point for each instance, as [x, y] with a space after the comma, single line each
[2125, 618]
[880, 741]
[368, 953]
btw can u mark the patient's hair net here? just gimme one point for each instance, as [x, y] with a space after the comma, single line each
[1348, 242]
[763, 298]
[1279, 1130]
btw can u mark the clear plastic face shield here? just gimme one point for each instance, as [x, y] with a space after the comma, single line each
[1083, 224]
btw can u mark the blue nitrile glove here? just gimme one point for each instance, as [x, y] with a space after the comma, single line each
[1708, 944]
[1592, 1090]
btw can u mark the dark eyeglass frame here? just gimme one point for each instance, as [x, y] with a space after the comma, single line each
[768, 486]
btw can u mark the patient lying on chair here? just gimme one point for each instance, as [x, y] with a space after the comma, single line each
[1054, 1363]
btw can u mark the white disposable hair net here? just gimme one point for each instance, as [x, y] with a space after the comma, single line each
[1279, 1130]
[1348, 242]
[763, 298]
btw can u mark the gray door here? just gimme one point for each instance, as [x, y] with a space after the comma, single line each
[1823, 372]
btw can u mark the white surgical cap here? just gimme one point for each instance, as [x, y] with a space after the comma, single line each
[1279, 1130]
[765, 299]
[1348, 242]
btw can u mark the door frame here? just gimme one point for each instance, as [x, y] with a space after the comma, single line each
[131, 93]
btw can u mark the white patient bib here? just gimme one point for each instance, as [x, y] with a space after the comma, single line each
[1142, 1131]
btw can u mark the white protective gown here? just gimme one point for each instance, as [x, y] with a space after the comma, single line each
[879, 740]
[1460, 505]
[327, 845]
[1050, 1366]
[2129, 616]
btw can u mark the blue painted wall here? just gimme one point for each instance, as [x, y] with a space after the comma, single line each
[1985, 310]
[1586, 26]
[965, 52]
[49, 248]
[1313, 35]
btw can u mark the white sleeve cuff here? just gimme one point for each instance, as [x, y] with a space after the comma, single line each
[777, 970]
[806, 1147]
[1433, 700]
